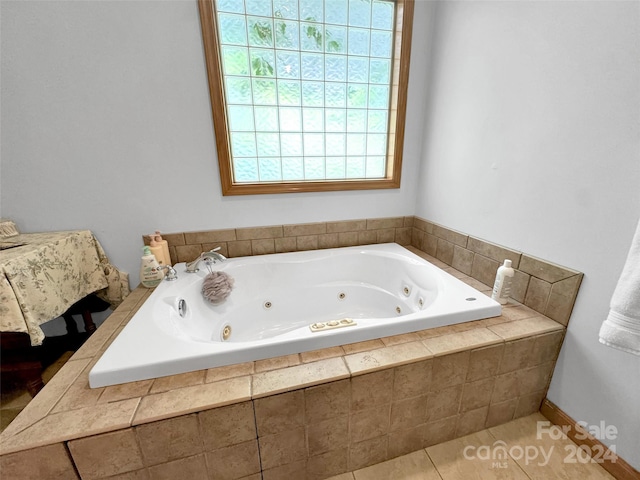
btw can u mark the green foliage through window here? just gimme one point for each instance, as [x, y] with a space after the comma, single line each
[307, 87]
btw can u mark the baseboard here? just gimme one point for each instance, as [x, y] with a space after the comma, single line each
[611, 462]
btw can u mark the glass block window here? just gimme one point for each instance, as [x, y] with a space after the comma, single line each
[310, 92]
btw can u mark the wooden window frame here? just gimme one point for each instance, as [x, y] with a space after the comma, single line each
[397, 112]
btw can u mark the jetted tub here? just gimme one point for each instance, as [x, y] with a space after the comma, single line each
[286, 303]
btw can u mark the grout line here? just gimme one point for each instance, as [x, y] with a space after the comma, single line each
[255, 423]
[71, 460]
[435, 467]
[135, 411]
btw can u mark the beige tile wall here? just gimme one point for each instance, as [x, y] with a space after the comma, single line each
[51, 461]
[335, 427]
[547, 288]
[218, 443]
[239, 242]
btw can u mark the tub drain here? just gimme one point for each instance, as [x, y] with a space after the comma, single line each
[226, 332]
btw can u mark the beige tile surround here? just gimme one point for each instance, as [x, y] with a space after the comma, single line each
[309, 415]
[548, 288]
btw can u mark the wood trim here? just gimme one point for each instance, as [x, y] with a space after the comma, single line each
[399, 87]
[216, 92]
[308, 186]
[611, 462]
[399, 100]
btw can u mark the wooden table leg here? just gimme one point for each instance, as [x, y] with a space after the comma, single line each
[89, 326]
[85, 307]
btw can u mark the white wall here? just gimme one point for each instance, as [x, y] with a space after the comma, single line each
[533, 142]
[106, 125]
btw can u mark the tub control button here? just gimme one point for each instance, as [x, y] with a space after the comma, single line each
[345, 322]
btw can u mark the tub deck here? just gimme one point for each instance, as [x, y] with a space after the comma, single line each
[68, 416]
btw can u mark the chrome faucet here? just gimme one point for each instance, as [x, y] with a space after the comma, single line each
[209, 258]
[171, 272]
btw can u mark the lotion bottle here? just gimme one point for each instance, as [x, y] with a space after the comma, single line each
[165, 248]
[502, 285]
[156, 250]
[150, 273]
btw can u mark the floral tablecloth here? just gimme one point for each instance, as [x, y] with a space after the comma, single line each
[49, 272]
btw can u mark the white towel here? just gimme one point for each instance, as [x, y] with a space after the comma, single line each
[621, 329]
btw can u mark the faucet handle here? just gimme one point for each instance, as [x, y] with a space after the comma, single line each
[171, 272]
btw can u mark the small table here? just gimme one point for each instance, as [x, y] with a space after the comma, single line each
[42, 275]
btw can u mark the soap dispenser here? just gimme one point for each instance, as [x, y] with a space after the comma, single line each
[502, 285]
[150, 273]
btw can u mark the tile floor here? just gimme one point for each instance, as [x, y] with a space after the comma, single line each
[516, 450]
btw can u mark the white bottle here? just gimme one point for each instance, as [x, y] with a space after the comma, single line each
[150, 273]
[502, 285]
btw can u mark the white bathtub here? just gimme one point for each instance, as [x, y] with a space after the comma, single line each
[283, 304]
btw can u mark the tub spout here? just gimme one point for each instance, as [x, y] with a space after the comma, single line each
[208, 257]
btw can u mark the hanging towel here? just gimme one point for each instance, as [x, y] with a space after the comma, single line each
[621, 329]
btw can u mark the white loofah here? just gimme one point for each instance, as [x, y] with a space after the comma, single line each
[216, 287]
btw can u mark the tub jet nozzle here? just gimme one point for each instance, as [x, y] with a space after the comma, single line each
[226, 332]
